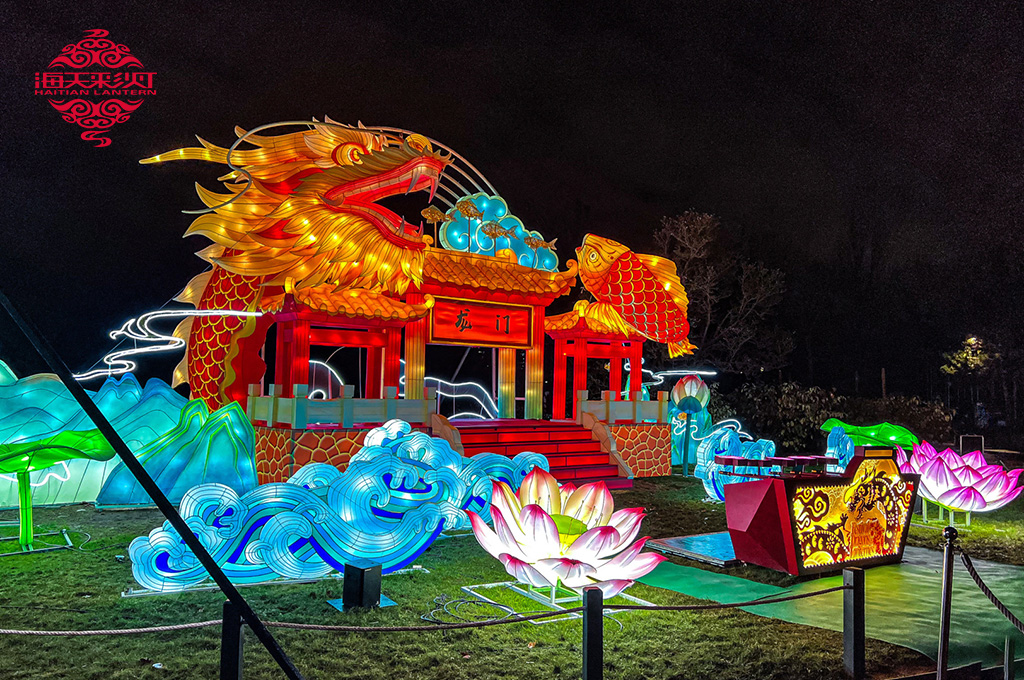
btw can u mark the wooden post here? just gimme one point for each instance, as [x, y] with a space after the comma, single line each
[558, 394]
[231, 643]
[593, 633]
[853, 623]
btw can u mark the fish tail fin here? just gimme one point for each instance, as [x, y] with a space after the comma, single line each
[678, 349]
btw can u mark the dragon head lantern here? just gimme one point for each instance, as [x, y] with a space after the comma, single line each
[302, 211]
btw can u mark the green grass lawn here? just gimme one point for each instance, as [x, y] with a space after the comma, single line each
[82, 590]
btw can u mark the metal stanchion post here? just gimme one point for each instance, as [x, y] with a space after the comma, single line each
[949, 534]
[1008, 659]
[593, 633]
[853, 623]
[231, 643]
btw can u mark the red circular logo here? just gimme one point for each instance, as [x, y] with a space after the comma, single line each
[95, 83]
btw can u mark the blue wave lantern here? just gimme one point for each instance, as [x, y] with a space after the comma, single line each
[469, 234]
[399, 492]
[725, 440]
[839, 446]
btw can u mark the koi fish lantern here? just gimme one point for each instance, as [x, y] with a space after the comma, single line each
[634, 292]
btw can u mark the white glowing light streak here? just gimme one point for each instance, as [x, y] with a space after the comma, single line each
[46, 478]
[489, 408]
[468, 414]
[333, 372]
[138, 329]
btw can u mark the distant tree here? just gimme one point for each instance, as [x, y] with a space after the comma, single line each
[733, 301]
[972, 358]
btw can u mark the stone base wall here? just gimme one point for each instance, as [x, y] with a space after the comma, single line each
[281, 451]
[646, 448]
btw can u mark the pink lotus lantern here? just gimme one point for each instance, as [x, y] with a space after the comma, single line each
[548, 536]
[961, 483]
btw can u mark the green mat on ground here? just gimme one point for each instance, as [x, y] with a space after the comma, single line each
[902, 603]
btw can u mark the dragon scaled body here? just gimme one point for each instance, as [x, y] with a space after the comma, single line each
[301, 210]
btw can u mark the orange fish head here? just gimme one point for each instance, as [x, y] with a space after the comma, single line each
[596, 257]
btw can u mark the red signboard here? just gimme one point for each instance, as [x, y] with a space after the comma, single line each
[480, 324]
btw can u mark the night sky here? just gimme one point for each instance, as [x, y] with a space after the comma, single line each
[871, 150]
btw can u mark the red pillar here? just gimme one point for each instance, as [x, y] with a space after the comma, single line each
[392, 357]
[615, 374]
[374, 372]
[636, 361]
[579, 370]
[534, 407]
[292, 362]
[415, 352]
[558, 390]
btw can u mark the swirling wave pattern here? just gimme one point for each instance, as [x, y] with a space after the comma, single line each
[399, 492]
[725, 441]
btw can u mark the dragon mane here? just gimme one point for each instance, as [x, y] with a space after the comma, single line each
[277, 220]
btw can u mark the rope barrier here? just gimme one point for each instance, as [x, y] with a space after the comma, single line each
[966, 559]
[698, 607]
[121, 631]
[442, 626]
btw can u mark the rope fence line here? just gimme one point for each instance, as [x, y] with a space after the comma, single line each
[117, 631]
[419, 629]
[966, 559]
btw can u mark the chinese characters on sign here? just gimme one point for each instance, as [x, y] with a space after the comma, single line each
[91, 99]
[462, 322]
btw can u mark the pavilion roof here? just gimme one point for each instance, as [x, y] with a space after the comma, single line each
[353, 302]
[452, 268]
[573, 325]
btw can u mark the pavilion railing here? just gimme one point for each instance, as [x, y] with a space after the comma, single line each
[611, 409]
[301, 412]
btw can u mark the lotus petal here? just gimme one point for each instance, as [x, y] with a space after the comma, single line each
[488, 540]
[595, 544]
[902, 460]
[937, 479]
[591, 504]
[524, 572]
[614, 566]
[541, 488]
[572, 573]
[503, 498]
[994, 486]
[925, 451]
[966, 475]
[997, 503]
[964, 499]
[511, 537]
[640, 565]
[541, 534]
[612, 588]
[976, 459]
[565, 490]
[627, 522]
